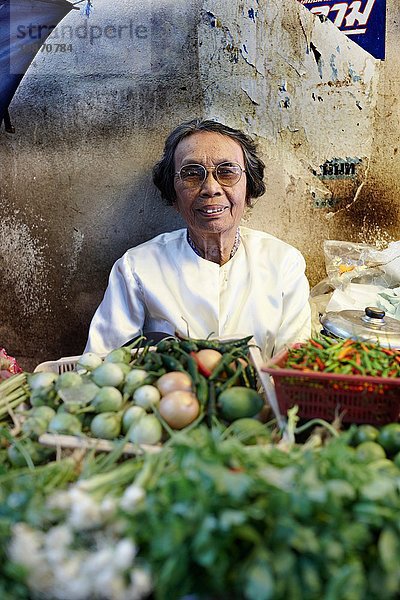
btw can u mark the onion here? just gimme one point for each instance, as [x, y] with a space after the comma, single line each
[174, 380]
[179, 408]
[208, 358]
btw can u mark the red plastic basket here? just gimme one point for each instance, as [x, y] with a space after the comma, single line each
[358, 399]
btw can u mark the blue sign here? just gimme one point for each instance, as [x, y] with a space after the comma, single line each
[363, 21]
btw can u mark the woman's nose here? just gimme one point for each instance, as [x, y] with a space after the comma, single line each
[210, 185]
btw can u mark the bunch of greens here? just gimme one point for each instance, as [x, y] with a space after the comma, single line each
[22, 498]
[209, 516]
[220, 519]
[65, 542]
[13, 392]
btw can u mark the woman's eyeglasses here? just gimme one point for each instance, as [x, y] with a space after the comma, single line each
[226, 173]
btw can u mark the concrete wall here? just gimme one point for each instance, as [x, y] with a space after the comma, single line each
[75, 178]
[309, 94]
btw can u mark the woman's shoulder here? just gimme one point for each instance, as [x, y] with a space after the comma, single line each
[270, 242]
[158, 243]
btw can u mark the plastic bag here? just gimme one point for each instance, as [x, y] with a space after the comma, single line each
[356, 296]
[8, 365]
[349, 262]
[389, 300]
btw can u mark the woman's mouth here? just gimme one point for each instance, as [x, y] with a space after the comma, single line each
[212, 210]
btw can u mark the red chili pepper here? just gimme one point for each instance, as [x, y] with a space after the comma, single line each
[300, 367]
[316, 344]
[344, 352]
[320, 364]
[388, 351]
[201, 368]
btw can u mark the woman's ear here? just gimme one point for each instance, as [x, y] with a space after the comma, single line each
[249, 202]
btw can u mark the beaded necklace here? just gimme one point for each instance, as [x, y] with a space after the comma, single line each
[235, 246]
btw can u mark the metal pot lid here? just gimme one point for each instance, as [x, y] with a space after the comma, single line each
[371, 325]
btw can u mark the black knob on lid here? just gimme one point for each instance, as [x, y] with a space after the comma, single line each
[374, 313]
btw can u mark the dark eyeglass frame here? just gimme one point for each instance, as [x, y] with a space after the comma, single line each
[206, 171]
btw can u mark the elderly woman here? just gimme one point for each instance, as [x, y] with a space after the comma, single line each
[214, 278]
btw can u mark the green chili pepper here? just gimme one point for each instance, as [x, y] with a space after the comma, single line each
[211, 405]
[221, 366]
[171, 363]
[156, 374]
[251, 376]
[202, 390]
[218, 345]
[332, 367]
[243, 378]
[192, 369]
[241, 344]
[153, 361]
[189, 346]
[166, 344]
[357, 367]
[232, 380]
[344, 356]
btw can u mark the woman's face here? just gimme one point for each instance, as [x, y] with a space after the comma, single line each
[210, 207]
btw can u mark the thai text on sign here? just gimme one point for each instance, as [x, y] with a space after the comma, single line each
[362, 20]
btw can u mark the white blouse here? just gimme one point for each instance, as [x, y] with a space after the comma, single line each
[163, 285]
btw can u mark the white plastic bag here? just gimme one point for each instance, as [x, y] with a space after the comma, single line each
[389, 300]
[355, 296]
[349, 262]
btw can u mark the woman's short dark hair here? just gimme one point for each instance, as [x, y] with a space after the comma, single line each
[164, 170]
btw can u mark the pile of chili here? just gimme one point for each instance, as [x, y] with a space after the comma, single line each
[348, 356]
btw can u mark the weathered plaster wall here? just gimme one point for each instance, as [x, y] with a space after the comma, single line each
[376, 216]
[309, 94]
[76, 187]
[75, 178]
